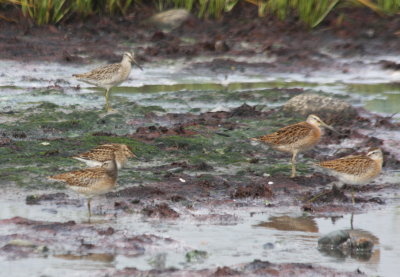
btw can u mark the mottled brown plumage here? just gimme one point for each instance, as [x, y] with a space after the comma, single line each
[109, 76]
[300, 136]
[91, 181]
[296, 138]
[359, 169]
[105, 152]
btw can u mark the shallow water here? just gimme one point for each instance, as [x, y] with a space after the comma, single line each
[287, 236]
[181, 86]
[281, 237]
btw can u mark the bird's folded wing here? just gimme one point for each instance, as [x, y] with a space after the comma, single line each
[81, 178]
[349, 165]
[288, 134]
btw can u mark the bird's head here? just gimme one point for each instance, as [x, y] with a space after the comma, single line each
[130, 56]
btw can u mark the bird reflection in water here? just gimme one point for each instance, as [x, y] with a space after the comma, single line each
[287, 223]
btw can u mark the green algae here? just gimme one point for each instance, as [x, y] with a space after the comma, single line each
[196, 256]
[46, 120]
[373, 88]
[35, 160]
[195, 143]
[37, 156]
[383, 97]
[199, 149]
[47, 134]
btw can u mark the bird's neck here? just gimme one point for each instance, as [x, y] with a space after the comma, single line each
[315, 126]
[379, 162]
[111, 166]
[112, 170]
[126, 62]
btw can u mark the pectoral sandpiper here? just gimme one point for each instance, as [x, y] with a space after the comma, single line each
[91, 181]
[109, 76]
[355, 169]
[102, 153]
[296, 138]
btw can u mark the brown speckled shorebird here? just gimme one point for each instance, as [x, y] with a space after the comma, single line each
[296, 138]
[355, 169]
[109, 76]
[91, 181]
[102, 153]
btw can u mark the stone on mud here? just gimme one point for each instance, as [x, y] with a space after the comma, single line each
[245, 111]
[221, 46]
[226, 271]
[169, 20]
[5, 141]
[36, 199]
[161, 211]
[257, 265]
[356, 242]
[333, 239]
[253, 190]
[331, 110]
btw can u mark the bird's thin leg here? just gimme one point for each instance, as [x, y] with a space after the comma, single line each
[352, 196]
[294, 164]
[106, 95]
[88, 205]
[351, 221]
[108, 108]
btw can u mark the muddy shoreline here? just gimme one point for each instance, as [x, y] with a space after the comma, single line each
[205, 163]
[196, 168]
[239, 33]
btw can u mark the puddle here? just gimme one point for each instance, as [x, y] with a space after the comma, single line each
[196, 97]
[96, 257]
[178, 87]
[256, 239]
[286, 236]
[287, 223]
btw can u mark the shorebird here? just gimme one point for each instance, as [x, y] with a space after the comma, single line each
[109, 76]
[91, 181]
[296, 138]
[355, 169]
[102, 153]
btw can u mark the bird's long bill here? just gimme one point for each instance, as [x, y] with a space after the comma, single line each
[138, 65]
[329, 127]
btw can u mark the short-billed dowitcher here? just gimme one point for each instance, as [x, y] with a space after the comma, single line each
[296, 138]
[91, 181]
[355, 169]
[109, 76]
[98, 155]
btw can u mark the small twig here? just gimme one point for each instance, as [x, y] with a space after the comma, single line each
[8, 19]
[317, 196]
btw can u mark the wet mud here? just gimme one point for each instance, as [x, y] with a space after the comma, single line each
[292, 45]
[197, 167]
[255, 268]
[199, 154]
[186, 163]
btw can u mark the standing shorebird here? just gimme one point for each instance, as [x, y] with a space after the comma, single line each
[98, 155]
[296, 138]
[355, 169]
[91, 181]
[109, 76]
